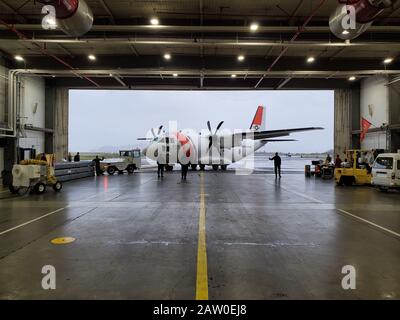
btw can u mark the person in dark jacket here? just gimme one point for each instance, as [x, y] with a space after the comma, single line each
[160, 169]
[69, 158]
[277, 165]
[184, 170]
[96, 162]
[77, 157]
[43, 157]
[338, 161]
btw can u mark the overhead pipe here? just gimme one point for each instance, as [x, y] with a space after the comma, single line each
[22, 36]
[74, 17]
[296, 35]
[353, 17]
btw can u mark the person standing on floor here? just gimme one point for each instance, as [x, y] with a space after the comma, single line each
[277, 165]
[184, 170]
[77, 157]
[96, 162]
[160, 169]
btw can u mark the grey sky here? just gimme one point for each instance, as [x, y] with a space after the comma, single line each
[118, 118]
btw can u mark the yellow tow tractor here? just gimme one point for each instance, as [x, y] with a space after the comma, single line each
[352, 171]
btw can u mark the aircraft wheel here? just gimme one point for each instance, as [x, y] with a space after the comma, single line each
[130, 169]
[224, 167]
[215, 167]
[194, 167]
[202, 167]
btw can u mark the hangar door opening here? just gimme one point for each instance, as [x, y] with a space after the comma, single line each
[102, 122]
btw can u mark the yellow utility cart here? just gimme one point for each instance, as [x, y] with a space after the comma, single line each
[353, 172]
[34, 175]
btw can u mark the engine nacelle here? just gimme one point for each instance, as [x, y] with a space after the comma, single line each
[350, 20]
[74, 17]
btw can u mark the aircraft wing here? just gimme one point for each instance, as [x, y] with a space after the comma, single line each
[268, 134]
[265, 136]
[259, 135]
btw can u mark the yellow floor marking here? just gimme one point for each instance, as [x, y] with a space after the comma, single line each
[202, 275]
[62, 240]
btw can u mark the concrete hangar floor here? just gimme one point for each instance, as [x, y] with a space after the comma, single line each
[218, 234]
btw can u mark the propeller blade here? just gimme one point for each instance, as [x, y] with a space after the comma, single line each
[219, 126]
[209, 126]
[210, 143]
[152, 131]
[159, 130]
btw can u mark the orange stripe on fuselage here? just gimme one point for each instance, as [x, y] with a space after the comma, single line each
[183, 140]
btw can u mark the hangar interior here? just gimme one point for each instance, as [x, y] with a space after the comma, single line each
[203, 45]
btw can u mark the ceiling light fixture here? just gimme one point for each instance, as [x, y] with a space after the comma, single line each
[254, 26]
[233, 75]
[352, 78]
[310, 59]
[345, 32]
[167, 56]
[241, 57]
[19, 58]
[175, 74]
[92, 57]
[388, 60]
[154, 21]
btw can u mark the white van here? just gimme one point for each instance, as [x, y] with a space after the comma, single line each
[386, 171]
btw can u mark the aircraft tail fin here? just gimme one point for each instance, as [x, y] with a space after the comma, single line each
[258, 122]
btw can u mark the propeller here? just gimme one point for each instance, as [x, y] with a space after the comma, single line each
[158, 133]
[213, 136]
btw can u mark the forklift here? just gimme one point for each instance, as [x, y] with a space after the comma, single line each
[352, 172]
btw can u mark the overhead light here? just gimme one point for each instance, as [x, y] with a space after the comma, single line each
[175, 74]
[167, 56]
[19, 58]
[154, 21]
[388, 60]
[254, 26]
[111, 75]
[233, 75]
[352, 78]
[310, 59]
[345, 32]
[53, 76]
[241, 57]
[92, 57]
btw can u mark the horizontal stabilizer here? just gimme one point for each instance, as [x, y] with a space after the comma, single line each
[145, 139]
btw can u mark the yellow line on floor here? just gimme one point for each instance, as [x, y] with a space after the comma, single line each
[370, 223]
[202, 275]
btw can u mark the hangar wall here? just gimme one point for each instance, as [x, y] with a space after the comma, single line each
[346, 119]
[32, 112]
[375, 108]
[3, 91]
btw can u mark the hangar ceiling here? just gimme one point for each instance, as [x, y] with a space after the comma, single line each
[204, 39]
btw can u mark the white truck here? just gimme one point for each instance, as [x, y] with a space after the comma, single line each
[386, 171]
[129, 160]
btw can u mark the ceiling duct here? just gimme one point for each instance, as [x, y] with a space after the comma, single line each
[74, 17]
[353, 17]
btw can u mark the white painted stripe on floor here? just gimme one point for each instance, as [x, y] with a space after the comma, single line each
[370, 223]
[31, 221]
